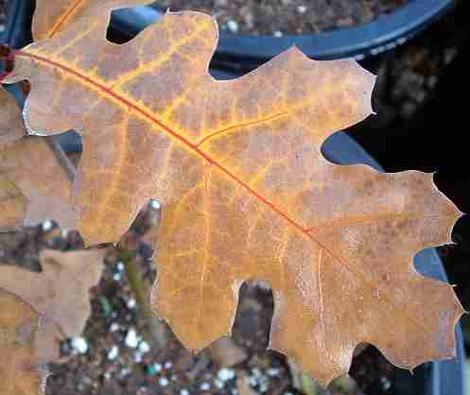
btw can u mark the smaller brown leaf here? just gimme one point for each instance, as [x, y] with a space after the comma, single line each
[19, 373]
[38, 310]
[33, 184]
[12, 204]
[11, 124]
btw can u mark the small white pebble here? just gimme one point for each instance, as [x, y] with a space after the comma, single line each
[131, 339]
[120, 266]
[157, 367]
[273, 372]
[184, 392]
[155, 204]
[301, 9]
[168, 365]
[117, 276]
[131, 303]
[137, 357]
[114, 327]
[163, 381]
[205, 387]
[80, 345]
[124, 372]
[232, 26]
[64, 233]
[256, 372]
[47, 225]
[278, 33]
[219, 384]
[225, 374]
[113, 353]
[144, 347]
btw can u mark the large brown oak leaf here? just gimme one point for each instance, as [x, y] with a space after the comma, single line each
[246, 192]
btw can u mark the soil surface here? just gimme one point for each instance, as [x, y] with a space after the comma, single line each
[278, 17]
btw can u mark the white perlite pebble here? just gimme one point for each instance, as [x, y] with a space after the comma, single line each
[302, 9]
[205, 387]
[114, 327]
[80, 345]
[131, 339]
[144, 347]
[157, 367]
[163, 381]
[273, 372]
[184, 392]
[232, 26]
[113, 353]
[131, 303]
[277, 33]
[225, 374]
[168, 365]
[155, 204]
[120, 266]
[47, 225]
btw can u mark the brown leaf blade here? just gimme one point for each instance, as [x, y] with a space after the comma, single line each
[12, 204]
[246, 192]
[18, 326]
[33, 168]
[53, 16]
[11, 123]
[38, 310]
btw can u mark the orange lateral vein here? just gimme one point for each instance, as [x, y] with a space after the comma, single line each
[241, 125]
[64, 18]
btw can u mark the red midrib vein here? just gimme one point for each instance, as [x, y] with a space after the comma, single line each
[194, 147]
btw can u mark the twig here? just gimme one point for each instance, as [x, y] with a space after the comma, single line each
[61, 157]
[156, 329]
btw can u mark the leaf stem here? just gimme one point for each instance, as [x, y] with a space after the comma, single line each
[155, 328]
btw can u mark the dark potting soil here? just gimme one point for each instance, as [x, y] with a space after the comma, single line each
[278, 17]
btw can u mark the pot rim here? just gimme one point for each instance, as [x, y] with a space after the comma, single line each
[383, 33]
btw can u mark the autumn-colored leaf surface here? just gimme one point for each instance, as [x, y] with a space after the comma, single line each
[38, 310]
[12, 204]
[53, 16]
[11, 124]
[34, 185]
[19, 373]
[246, 192]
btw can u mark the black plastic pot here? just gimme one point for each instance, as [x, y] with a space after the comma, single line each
[244, 51]
[435, 378]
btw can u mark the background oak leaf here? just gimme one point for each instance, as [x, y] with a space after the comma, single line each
[11, 123]
[246, 192]
[34, 185]
[38, 310]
